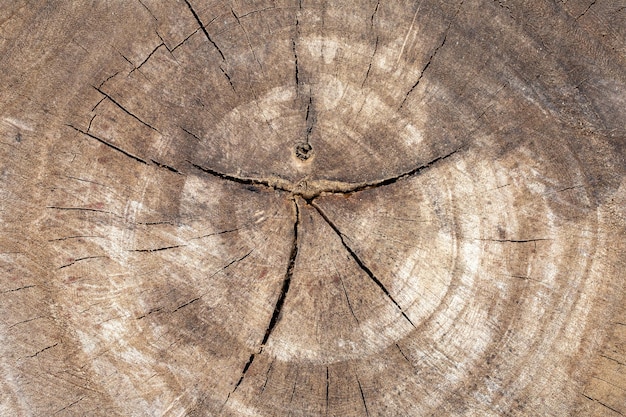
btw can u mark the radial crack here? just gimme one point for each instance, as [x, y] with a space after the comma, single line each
[360, 263]
[281, 298]
[287, 281]
[195, 15]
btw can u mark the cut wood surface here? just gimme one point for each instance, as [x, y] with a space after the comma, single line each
[296, 208]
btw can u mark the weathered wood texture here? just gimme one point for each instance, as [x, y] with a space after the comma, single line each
[296, 208]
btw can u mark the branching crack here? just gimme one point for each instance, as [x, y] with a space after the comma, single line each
[123, 108]
[359, 262]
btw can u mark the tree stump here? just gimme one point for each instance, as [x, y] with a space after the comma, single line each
[269, 208]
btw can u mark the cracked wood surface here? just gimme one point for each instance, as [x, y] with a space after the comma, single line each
[269, 208]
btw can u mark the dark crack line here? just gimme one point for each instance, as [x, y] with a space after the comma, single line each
[152, 311]
[230, 81]
[614, 360]
[83, 209]
[157, 249]
[359, 262]
[348, 300]
[243, 372]
[586, 10]
[183, 41]
[392, 180]
[287, 281]
[293, 390]
[362, 397]
[602, 404]
[232, 178]
[516, 241]
[403, 355]
[281, 298]
[18, 289]
[295, 57]
[216, 233]
[195, 15]
[81, 259]
[267, 377]
[191, 133]
[169, 168]
[149, 11]
[193, 300]
[147, 58]
[42, 350]
[110, 145]
[228, 265]
[369, 67]
[68, 406]
[124, 109]
[310, 120]
[25, 321]
[247, 38]
[100, 86]
[327, 389]
[283, 185]
[374, 13]
[432, 56]
[423, 70]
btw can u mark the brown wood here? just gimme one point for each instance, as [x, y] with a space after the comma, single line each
[270, 208]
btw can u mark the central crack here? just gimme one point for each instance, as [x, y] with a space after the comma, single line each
[310, 189]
